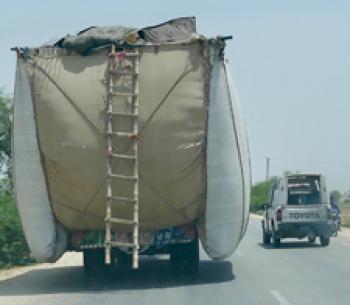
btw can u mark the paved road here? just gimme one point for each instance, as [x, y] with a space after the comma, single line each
[296, 274]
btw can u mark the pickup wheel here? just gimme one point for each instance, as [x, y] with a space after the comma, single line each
[275, 240]
[324, 240]
[311, 239]
[184, 258]
[266, 237]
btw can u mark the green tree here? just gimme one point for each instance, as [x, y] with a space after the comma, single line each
[5, 134]
[13, 246]
[261, 193]
[336, 195]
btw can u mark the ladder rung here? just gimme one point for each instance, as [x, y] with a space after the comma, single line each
[122, 113]
[126, 54]
[121, 244]
[123, 177]
[121, 134]
[125, 199]
[120, 221]
[117, 93]
[120, 72]
[125, 157]
[132, 54]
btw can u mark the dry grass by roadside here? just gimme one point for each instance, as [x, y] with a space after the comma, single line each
[345, 215]
[68, 259]
[14, 271]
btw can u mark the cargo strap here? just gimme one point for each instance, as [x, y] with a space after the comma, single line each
[116, 60]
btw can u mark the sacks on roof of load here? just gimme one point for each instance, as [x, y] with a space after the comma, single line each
[193, 153]
[92, 38]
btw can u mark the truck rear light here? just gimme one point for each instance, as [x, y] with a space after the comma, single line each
[279, 214]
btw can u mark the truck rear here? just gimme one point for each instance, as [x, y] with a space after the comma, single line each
[129, 142]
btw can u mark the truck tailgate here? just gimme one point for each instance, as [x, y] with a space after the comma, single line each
[304, 214]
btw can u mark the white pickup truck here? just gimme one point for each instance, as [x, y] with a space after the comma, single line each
[299, 208]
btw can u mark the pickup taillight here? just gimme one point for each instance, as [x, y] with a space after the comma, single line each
[279, 214]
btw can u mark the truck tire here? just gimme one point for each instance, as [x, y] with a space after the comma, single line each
[94, 262]
[324, 240]
[124, 261]
[266, 237]
[275, 240]
[184, 258]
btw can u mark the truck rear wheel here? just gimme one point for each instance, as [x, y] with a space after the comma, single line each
[94, 261]
[184, 258]
[124, 261]
[324, 240]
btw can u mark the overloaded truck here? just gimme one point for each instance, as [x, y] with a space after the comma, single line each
[130, 142]
[299, 208]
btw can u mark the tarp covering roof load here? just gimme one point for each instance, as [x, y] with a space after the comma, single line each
[179, 29]
[93, 38]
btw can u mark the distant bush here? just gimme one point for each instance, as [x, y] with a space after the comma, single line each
[345, 212]
[346, 202]
[261, 193]
[13, 247]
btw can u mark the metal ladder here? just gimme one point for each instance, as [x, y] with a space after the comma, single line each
[115, 59]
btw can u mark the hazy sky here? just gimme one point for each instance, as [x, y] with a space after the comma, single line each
[290, 60]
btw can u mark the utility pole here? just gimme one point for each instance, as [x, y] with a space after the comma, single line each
[267, 168]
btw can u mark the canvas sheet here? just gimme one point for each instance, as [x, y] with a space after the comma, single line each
[228, 167]
[70, 102]
[47, 239]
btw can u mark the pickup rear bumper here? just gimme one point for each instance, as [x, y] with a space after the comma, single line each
[303, 229]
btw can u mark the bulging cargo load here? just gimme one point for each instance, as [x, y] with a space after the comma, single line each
[130, 139]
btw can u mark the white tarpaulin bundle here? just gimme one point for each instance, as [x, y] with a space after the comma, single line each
[193, 153]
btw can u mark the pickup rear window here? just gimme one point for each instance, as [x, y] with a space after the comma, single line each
[304, 190]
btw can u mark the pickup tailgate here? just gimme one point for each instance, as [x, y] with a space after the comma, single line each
[295, 214]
